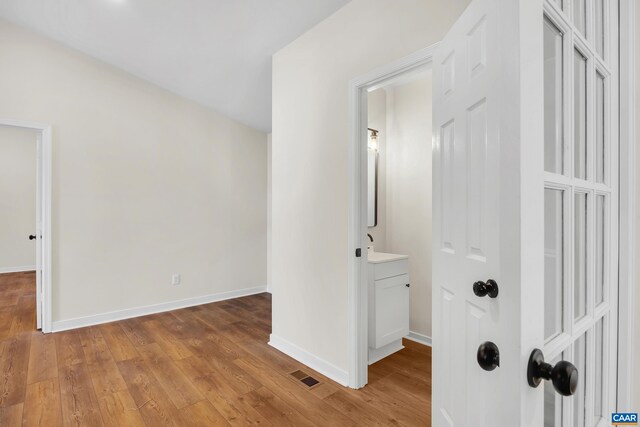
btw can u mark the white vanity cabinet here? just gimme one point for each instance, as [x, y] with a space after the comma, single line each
[388, 303]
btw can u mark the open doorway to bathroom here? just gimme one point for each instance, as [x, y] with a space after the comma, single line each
[390, 286]
[399, 205]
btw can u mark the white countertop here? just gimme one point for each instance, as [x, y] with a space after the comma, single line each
[379, 257]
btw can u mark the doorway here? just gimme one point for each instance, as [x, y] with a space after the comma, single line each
[25, 261]
[399, 199]
[406, 71]
[399, 217]
[18, 248]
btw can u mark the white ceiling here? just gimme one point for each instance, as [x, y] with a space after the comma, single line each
[215, 52]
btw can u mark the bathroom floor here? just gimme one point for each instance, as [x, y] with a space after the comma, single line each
[404, 379]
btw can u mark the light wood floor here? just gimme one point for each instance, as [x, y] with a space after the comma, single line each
[202, 366]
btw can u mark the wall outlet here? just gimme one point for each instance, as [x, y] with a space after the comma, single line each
[175, 279]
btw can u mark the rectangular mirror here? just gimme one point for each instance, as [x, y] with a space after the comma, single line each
[372, 191]
[372, 179]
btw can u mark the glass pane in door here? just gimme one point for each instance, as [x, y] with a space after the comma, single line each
[600, 248]
[600, 16]
[599, 371]
[601, 156]
[580, 115]
[580, 15]
[579, 398]
[580, 256]
[553, 87]
[553, 262]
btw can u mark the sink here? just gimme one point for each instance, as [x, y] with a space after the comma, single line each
[380, 257]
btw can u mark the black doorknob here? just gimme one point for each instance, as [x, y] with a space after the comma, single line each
[564, 375]
[31, 237]
[488, 356]
[490, 287]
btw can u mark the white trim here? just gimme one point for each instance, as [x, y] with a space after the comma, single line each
[357, 296]
[312, 361]
[24, 124]
[419, 338]
[377, 354]
[97, 319]
[627, 237]
[22, 269]
[47, 239]
[45, 203]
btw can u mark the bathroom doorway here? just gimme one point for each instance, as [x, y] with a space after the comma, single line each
[399, 205]
[399, 197]
[391, 202]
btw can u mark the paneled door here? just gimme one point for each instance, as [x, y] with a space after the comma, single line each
[525, 208]
[581, 204]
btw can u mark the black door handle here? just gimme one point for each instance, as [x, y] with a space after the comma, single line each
[490, 287]
[31, 237]
[564, 375]
[488, 356]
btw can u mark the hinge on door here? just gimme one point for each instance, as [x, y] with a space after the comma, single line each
[358, 253]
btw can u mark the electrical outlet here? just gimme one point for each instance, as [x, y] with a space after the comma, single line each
[175, 279]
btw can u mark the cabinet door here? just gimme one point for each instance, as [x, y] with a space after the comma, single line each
[392, 309]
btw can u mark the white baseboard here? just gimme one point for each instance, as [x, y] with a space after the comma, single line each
[4, 270]
[81, 322]
[314, 362]
[419, 338]
[377, 354]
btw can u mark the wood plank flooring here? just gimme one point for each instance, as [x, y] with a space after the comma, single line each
[202, 366]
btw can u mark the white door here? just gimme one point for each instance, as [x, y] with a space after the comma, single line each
[476, 225]
[38, 233]
[546, 237]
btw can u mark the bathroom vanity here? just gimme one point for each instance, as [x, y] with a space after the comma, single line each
[388, 303]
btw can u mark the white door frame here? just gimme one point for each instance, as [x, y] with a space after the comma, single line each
[627, 209]
[44, 138]
[357, 284]
[357, 279]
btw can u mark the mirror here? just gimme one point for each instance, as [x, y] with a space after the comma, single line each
[372, 178]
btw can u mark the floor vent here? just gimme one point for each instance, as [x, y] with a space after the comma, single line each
[310, 381]
[299, 375]
[304, 378]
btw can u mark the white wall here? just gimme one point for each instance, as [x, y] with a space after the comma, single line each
[145, 183]
[17, 199]
[408, 203]
[310, 159]
[377, 119]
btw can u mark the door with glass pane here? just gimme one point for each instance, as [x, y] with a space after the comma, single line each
[581, 204]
